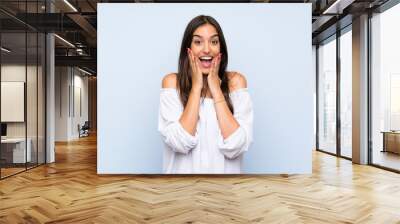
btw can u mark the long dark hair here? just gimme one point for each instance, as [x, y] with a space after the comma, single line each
[184, 78]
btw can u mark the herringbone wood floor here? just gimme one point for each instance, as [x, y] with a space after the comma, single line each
[70, 191]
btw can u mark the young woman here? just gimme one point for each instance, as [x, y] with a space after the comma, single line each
[206, 115]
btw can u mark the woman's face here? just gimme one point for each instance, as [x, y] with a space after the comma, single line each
[205, 45]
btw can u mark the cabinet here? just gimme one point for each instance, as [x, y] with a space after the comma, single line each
[391, 141]
[13, 150]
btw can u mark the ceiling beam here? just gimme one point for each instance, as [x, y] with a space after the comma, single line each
[85, 61]
[86, 26]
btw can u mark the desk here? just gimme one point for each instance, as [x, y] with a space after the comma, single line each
[391, 141]
[16, 147]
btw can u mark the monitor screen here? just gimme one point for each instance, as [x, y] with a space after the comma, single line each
[3, 129]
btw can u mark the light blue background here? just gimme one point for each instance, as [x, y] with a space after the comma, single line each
[269, 43]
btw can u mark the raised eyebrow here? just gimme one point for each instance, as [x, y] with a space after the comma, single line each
[215, 35]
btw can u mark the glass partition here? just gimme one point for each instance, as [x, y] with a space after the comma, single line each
[35, 51]
[22, 78]
[13, 110]
[327, 96]
[41, 85]
[32, 95]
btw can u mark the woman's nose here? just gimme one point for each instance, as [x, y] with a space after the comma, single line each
[206, 48]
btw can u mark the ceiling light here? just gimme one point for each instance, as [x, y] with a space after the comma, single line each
[65, 41]
[84, 71]
[5, 50]
[338, 6]
[70, 5]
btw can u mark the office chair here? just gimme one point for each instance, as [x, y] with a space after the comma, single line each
[84, 130]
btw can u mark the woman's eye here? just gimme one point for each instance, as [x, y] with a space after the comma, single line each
[215, 42]
[196, 42]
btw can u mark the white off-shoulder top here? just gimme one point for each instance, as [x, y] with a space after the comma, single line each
[206, 152]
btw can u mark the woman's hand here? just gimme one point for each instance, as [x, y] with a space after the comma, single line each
[214, 83]
[197, 75]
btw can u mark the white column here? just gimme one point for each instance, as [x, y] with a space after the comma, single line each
[50, 110]
[50, 92]
[360, 90]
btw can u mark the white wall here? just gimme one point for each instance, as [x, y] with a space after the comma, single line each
[61, 103]
[69, 81]
[15, 72]
[80, 83]
[269, 43]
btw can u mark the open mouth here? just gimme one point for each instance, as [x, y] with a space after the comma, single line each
[206, 61]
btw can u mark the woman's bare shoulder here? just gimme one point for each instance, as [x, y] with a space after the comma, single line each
[169, 81]
[236, 81]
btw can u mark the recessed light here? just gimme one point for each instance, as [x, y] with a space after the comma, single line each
[84, 71]
[5, 50]
[64, 40]
[70, 5]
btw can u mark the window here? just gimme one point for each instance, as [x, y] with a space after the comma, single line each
[346, 93]
[385, 88]
[327, 96]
